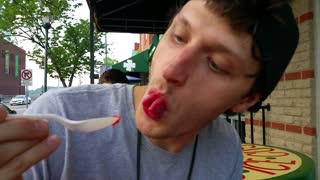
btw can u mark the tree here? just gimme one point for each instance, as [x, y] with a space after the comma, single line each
[21, 18]
[68, 42]
[69, 53]
[109, 61]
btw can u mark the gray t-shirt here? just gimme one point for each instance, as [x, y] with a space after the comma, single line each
[111, 153]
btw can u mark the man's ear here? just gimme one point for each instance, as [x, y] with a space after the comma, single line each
[246, 103]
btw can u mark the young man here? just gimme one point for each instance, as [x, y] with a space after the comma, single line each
[216, 56]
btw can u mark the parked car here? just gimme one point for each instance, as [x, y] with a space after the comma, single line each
[20, 99]
[10, 111]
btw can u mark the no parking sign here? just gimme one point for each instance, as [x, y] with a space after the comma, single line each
[26, 77]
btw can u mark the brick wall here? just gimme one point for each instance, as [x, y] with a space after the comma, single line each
[290, 122]
[145, 41]
[9, 83]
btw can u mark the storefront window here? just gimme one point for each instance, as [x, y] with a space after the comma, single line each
[16, 66]
[7, 62]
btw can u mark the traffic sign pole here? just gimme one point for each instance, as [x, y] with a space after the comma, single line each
[27, 95]
[26, 77]
[26, 80]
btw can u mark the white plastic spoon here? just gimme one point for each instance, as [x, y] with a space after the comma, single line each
[87, 125]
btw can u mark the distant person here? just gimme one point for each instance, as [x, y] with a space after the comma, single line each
[113, 76]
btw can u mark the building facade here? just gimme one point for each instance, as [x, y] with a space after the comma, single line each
[292, 121]
[12, 60]
[145, 41]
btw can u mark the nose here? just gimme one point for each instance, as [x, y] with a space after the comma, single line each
[178, 70]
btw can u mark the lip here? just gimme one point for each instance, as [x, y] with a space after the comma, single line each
[154, 104]
[154, 91]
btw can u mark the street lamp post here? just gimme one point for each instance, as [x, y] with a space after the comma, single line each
[47, 20]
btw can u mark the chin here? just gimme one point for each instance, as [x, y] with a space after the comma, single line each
[142, 120]
[149, 127]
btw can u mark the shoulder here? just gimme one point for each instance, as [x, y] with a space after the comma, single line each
[221, 143]
[78, 96]
[90, 89]
[86, 91]
[221, 130]
[221, 137]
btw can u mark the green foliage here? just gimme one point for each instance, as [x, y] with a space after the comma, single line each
[110, 61]
[69, 40]
[22, 18]
[69, 53]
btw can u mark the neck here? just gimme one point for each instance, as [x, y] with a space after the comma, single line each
[193, 157]
[173, 144]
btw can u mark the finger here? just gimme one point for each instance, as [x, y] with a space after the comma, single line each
[22, 129]
[23, 162]
[3, 114]
[12, 149]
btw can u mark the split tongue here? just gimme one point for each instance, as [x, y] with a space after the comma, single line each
[157, 108]
[154, 105]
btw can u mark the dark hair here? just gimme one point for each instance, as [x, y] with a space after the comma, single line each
[244, 14]
[113, 76]
[275, 37]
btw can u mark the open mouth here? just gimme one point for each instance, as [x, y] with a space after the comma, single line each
[154, 105]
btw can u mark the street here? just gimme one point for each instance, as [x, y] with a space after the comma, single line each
[19, 108]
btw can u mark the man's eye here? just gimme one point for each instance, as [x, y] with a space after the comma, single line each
[178, 39]
[214, 67]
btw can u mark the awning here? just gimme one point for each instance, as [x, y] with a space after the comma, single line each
[140, 62]
[133, 79]
[137, 63]
[134, 16]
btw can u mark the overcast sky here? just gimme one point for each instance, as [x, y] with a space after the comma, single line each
[122, 46]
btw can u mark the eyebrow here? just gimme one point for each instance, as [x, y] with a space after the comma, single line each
[217, 47]
[183, 20]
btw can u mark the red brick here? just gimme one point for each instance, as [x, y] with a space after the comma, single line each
[247, 120]
[294, 128]
[305, 17]
[9, 83]
[293, 76]
[308, 74]
[136, 46]
[257, 122]
[287, 127]
[279, 126]
[310, 131]
[268, 124]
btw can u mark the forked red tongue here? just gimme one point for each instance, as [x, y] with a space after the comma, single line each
[154, 105]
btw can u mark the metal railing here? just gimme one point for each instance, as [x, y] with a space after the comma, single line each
[238, 121]
[263, 108]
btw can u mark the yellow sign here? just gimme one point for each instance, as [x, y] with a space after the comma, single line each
[263, 162]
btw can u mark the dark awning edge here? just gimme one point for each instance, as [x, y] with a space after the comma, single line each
[133, 16]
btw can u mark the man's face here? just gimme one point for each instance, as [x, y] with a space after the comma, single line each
[200, 69]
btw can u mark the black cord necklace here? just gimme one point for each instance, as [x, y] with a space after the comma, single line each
[139, 156]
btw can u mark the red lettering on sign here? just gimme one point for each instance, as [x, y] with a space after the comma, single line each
[251, 163]
[263, 164]
[260, 152]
